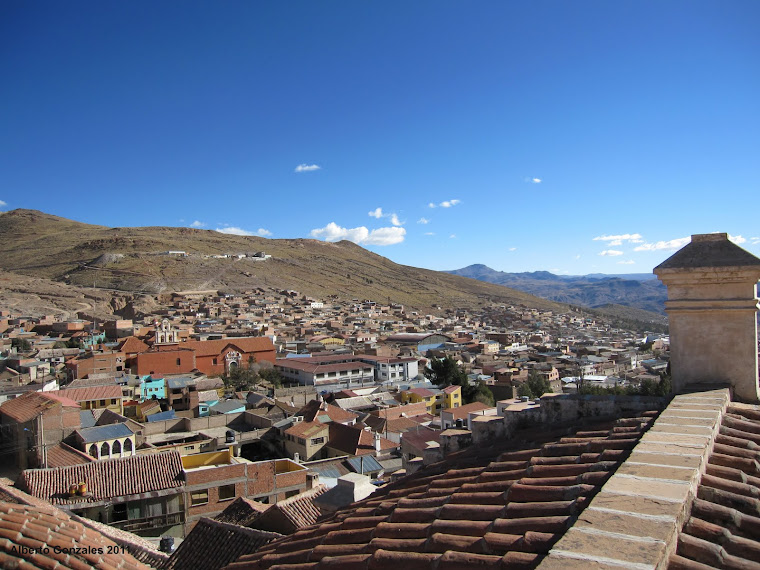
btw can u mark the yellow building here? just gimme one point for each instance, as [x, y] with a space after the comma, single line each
[452, 396]
[95, 397]
[431, 398]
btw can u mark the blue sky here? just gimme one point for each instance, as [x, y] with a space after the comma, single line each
[574, 137]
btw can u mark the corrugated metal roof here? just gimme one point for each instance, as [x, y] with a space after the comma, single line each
[365, 464]
[86, 419]
[161, 416]
[102, 433]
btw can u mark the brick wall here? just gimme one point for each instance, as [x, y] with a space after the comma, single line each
[165, 362]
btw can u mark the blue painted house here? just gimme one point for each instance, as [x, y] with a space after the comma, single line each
[151, 386]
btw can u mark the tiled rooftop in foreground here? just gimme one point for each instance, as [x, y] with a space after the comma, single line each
[493, 506]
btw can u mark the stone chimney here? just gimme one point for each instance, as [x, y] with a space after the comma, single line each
[712, 308]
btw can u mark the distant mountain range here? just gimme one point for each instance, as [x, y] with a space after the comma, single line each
[637, 290]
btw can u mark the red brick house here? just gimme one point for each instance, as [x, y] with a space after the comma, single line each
[34, 422]
[212, 357]
[215, 357]
[165, 360]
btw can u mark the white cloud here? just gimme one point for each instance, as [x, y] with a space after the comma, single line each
[431, 205]
[618, 239]
[307, 167]
[197, 224]
[378, 213]
[452, 236]
[536, 180]
[657, 246]
[754, 240]
[611, 252]
[512, 249]
[578, 256]
[232, 230]
[386, 236]
[263, 232]
[626, 262]
[615, 243]
[449, 203]
[2, 204]
[423, 221]
[737, 239]
[360, 235]
[429, 233]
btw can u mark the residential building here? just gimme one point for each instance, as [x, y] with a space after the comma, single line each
[34, 422]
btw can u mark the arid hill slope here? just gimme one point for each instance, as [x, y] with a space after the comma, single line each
[133, 260]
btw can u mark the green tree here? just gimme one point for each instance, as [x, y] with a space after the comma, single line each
[445, 372]
[535, 386]
[21, 344]
[480, 393]
[273, 376]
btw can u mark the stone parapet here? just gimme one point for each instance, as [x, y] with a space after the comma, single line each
[634, 521]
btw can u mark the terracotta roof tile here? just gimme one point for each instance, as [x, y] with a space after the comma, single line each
[485, 507]
[30, 405]
[203, 543]
[40, 527]
[90, 393]
[214, 347]
[724, 528]
[106, 479]
[61, 455]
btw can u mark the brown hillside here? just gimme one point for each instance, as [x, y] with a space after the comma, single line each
[131, 260]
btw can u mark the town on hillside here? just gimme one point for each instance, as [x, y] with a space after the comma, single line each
[293, 405]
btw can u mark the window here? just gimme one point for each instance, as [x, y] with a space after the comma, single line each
[199, 498]
[317, 440]
[178, 363]
[227, 492]
[102, 402]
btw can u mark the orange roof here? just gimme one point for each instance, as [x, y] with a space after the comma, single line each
[215, 347]
[30, 405]
[132, 344]
[90, 393]
[305, 429]
[461, 412]
[31, 528]
[107, 479]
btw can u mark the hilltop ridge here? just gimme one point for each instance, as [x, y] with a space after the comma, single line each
[134, 260]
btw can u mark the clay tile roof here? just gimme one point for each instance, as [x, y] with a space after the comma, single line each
[724, 528]
[30, 405]
[90, 393]
[305, 429]
[139, 547]
[241, 511]
[462, 411]
[313, 411]
[61, 455]
[132, 345]
[215, 347]
[217, 544]
[37, 527]
[354, 440]
[106, 480]
[501, 505]
[296, 512]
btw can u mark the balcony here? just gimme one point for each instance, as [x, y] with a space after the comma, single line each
[158, 521]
